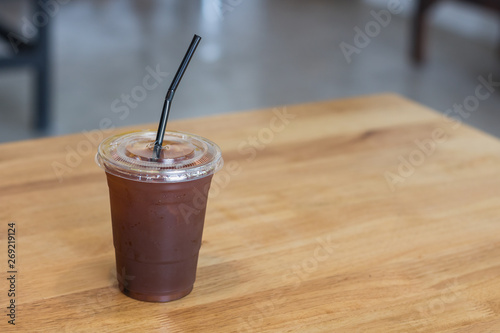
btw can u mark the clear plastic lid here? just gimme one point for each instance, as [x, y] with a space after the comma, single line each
[183, 157]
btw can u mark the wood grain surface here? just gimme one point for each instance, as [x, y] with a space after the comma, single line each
[369, 214]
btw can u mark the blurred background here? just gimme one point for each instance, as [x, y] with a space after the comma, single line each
[69, 65]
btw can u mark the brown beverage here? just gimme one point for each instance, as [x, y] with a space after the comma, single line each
[158, 210]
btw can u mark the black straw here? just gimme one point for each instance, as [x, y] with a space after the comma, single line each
[170, 94]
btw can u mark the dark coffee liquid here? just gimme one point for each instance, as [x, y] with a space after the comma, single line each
[157, 231]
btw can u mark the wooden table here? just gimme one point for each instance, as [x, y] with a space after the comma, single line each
[364, 214]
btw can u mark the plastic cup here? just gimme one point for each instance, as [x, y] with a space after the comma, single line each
[158, 209]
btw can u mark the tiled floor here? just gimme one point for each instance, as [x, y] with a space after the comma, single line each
[254, 54]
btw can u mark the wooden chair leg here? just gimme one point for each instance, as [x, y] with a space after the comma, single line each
[418, 30]
[42, 89]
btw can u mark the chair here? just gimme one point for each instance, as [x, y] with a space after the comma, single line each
[418, 32]
[34, 53]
